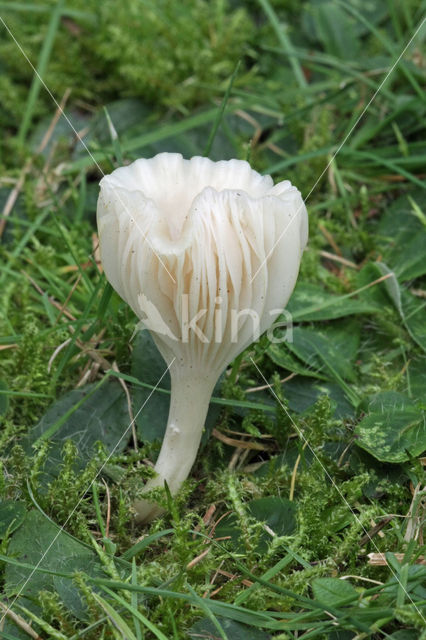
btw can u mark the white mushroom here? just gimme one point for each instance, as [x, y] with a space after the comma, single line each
[207, 255]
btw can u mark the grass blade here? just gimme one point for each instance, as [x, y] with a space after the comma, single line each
[221, 111]
[203, 606]
[143, 544]
[115, 618]
[285, 43]
[40, 71]
[137, 614]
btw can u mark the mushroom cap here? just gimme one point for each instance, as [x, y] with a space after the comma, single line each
[215, 241]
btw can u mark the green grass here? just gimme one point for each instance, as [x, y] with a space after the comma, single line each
[296, 485]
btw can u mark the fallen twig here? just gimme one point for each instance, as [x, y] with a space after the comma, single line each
[20, 622]
[379, 559]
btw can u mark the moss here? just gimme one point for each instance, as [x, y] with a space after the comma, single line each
[55, 613]
[172, 54]
[187, 48]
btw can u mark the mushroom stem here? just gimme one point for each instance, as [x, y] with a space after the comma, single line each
[189, 403]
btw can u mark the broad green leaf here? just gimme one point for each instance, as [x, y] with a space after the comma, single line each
[39, 542]
[281, 356]
[399, 217]
[12, 514]
[416, 379]
[279, 514]
[404, 634]
[329, 350]
[375, 294]
[66, 588]
[104, 417]
[205, 628]
[411, 309]
[407, 257]
[391, 286]
[414, 310]
[310, 303]
[394, 429]
[302, 393]
[331, 591]
[388, 400]
[148, 366]
[404, 236]
[344, 406]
